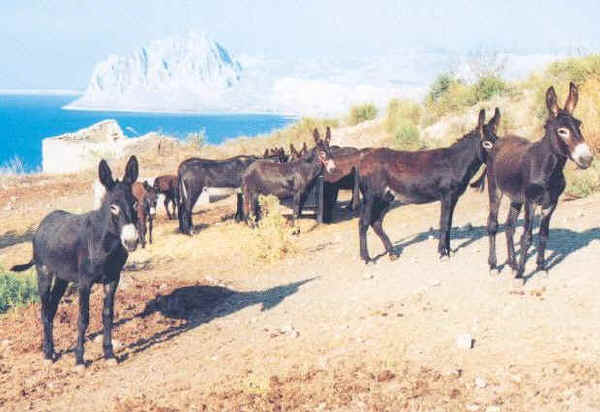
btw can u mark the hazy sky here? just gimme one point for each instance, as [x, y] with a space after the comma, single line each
[55, 43]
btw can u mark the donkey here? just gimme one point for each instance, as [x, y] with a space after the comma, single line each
[195, 174]
[419, 177]
[167, 186]
[146, 198]
[285, 180]
[532, 174]
[294, 154]
[85, 249]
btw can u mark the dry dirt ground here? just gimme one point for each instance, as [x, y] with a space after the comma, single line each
[203, 326]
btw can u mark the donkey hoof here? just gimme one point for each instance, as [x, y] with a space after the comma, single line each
[494, 272]
[516, 274]
[393, 256]
[111, 362]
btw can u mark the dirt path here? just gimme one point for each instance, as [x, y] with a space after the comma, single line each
[322, 331]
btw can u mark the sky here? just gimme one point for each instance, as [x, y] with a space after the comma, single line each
[56, 43]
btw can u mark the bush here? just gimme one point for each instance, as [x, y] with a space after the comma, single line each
[582, 183]
[362, 113]
[17, 290]
[399, 111]
[272, 238]
[196, 139]
[487, 87]
[407, 137]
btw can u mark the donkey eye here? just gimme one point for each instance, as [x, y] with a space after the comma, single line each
[563, 132]
[115, 210]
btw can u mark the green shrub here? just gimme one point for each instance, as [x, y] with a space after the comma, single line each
[17, 290]
[407, 137]
[271, 239]
[362, 113]
[582, 183]
[489, 86]
[398, 111]
[196, 139]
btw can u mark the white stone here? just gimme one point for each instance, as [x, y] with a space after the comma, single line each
[464, 341]
[480, 382]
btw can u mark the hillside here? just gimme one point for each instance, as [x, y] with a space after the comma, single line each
[203, 324]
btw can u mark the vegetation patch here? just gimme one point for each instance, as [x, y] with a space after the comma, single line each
[362, 113]
[17, 290]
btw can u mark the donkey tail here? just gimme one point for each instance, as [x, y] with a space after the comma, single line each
[479, 184]
[20, 268]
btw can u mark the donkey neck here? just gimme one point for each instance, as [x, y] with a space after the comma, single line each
[546, 150]
[310, 170]
[464, 158]
[102, 241]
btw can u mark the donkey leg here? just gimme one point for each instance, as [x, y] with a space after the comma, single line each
[363, 226]
[448, 204]
[513, 215]
[150, 220]
[142, 231]
[526, 237]
[492, 223]
[84, 320]
[379, 210]
[44, 283]
[108, 315]
[297, 204]
[166, 203]
[543, 236]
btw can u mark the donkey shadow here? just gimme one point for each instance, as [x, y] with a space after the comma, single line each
[561, 242]
[200, 304]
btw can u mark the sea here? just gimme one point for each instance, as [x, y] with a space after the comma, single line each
[27, 119]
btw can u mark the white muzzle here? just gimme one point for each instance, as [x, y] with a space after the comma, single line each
[129, 237]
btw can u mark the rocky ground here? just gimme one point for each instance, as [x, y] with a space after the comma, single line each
[203, 326]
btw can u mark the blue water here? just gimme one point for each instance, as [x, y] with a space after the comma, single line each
[26, 120]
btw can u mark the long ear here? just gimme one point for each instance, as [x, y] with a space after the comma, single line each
[495, 121]
[147, 186]
[571, 102]
[551, 102]
[131, 170]
[316, 135]
[105, 175]
[481, 121]
[328, 135]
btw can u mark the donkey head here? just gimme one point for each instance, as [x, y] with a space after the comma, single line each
[488, 133]
[564, 130]
[120, 202]
[323, 151]
[150, 199]
[294, 154]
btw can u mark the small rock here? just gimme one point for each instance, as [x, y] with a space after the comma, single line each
[492, 408]
[467, 227]
[4, 343]
[464, 341]
[455, 372]
[368, 276]
[385, 376]
[515, 378]
[14, 199]
[435, 283]
[480, 382]
[116, 345]
[472, 407]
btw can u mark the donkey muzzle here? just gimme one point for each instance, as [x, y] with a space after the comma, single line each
[129, 237]
[582, 155]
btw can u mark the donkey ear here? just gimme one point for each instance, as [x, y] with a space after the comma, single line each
[316, 135]
[571, 102]
[481, 120]
[495, 121]
[147, 186]
[131, 170]
[551, 102]
[105, 175]
[328, 135]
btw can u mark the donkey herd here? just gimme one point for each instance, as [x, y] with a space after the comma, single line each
[93, 247]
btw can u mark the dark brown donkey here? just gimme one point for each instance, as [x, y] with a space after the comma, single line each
[532, 174]
[419, 177]
[85, 249]
[285, 180]
[146, 198]
[167, 186]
